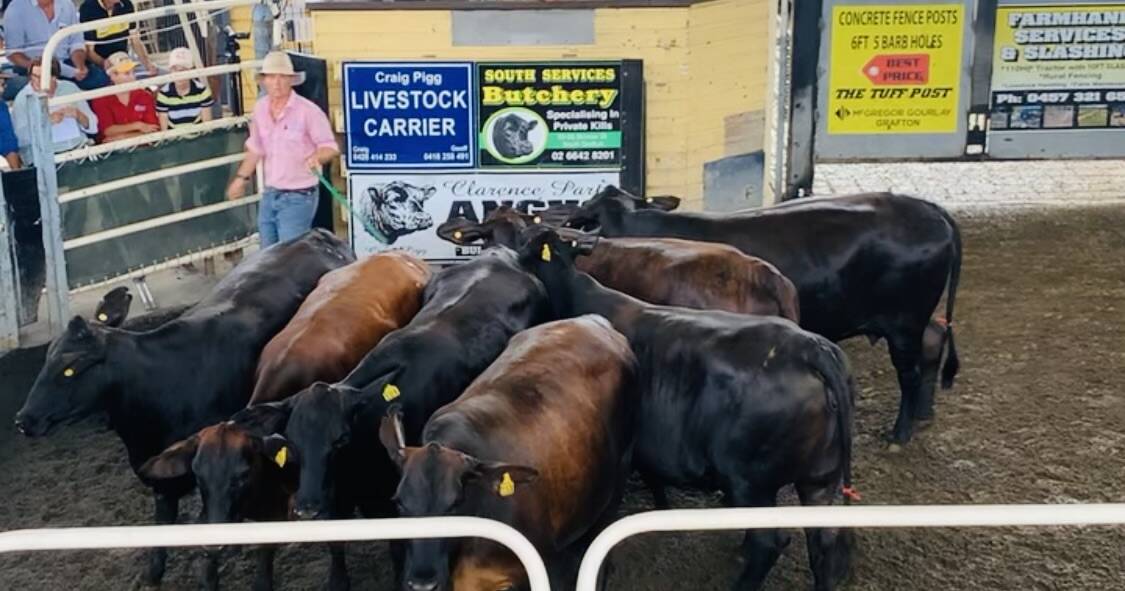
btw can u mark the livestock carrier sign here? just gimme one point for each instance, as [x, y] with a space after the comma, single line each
[430, 141]
[1059, 67]
[895, 68]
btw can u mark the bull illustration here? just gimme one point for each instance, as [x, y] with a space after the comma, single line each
[509, 136]
[395, 209]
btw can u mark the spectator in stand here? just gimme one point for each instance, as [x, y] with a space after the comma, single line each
[110, 39]
[183, 102]
[70, 123]
[125, 114]
[13, 83]
[9, 145]
[30, 23]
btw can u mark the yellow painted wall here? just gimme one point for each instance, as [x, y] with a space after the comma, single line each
[704, 68]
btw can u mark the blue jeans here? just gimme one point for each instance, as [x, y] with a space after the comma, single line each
[285, 214]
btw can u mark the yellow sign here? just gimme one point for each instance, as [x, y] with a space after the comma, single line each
[1059, 67]
[895, 68]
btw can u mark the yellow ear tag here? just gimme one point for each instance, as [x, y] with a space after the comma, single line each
[537, 220]
[281, 457]
[546, 253]
[457, 235]
[102, 317]
[507, 486]
[390, 392]
[68, 372]
[648, 199]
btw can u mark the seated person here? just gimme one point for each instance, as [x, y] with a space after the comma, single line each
[30, 23]
[125, 114]
[183, 102]
[70, 123]
[108, 40]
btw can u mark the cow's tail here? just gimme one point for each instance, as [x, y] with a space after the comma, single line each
[834, 369]
[952, 363]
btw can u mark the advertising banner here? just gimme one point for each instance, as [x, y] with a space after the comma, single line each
[409, 115]
[1058, 67]
[895, 69]
[408, 208]
[550, 115]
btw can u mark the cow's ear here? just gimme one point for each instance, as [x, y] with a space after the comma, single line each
[502, 479]
[392, 434]
[532, 124]
[114, 307]
[279, 452]
[662, 202]
[463, 231]
[375, 194]
[264, 419]
[173, 462]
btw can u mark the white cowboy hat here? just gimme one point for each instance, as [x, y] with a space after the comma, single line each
[278, 62]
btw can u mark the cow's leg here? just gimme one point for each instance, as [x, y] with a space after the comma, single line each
[761, 546]
[398, 559]
[933, 340]
[167, 509]
[338, 572]
[659, 494]
[209, 575]
[906, 355]
[263, 581]
[829, 548]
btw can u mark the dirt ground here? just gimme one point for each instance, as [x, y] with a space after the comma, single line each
[1036, 415]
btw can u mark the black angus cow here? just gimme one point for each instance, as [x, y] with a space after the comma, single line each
[468, 313]
[540, 441]
[160, 386]
[397, 209]
[873, 264]
[739, 403]
[509, 136]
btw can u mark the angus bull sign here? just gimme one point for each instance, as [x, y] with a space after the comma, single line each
[427, 141]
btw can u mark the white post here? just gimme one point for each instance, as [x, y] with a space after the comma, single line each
[58, 288]
[777, 106]
[9, 286]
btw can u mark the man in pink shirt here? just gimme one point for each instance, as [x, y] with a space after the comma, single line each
[292, 137]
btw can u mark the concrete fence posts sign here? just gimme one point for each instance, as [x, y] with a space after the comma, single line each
[431, 141]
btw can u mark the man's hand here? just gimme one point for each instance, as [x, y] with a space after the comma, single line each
[313, 163]
[57, 117]
[80, 72]
[143, 127]
[236, 189]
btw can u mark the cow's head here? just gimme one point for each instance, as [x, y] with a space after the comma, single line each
[396, 208]
[232, 466]
[486, 565]
[611, 203]
[72, 382]
[551, 258]
[318, 424]
[509, 136]
[114, 307]
[438, 480]
[502, 226]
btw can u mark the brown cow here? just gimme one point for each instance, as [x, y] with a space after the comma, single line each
[558, 405]
[664, 271]
[349, 312]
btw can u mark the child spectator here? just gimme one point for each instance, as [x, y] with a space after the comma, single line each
[183, 102]
[125, 114]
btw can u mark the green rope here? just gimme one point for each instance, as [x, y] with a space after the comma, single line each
[344, 203]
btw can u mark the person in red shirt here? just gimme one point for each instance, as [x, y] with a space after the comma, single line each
[125, 114]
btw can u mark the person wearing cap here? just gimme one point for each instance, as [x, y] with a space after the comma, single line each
[291, 136]
[110, 39]
[71, 124]
[30, 23]
[125, 114]
[183, 102]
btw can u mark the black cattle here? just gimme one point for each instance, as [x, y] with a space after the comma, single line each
[397, 209]
[160, 386]
[739, 403]
[509, 136]
[873, 264]
[468, 314]
[557, 408]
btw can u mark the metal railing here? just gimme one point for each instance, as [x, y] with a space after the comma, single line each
[57, 286]
[882, 516]
[351, 530]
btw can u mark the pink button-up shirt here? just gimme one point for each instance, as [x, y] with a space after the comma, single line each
[287, 143]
